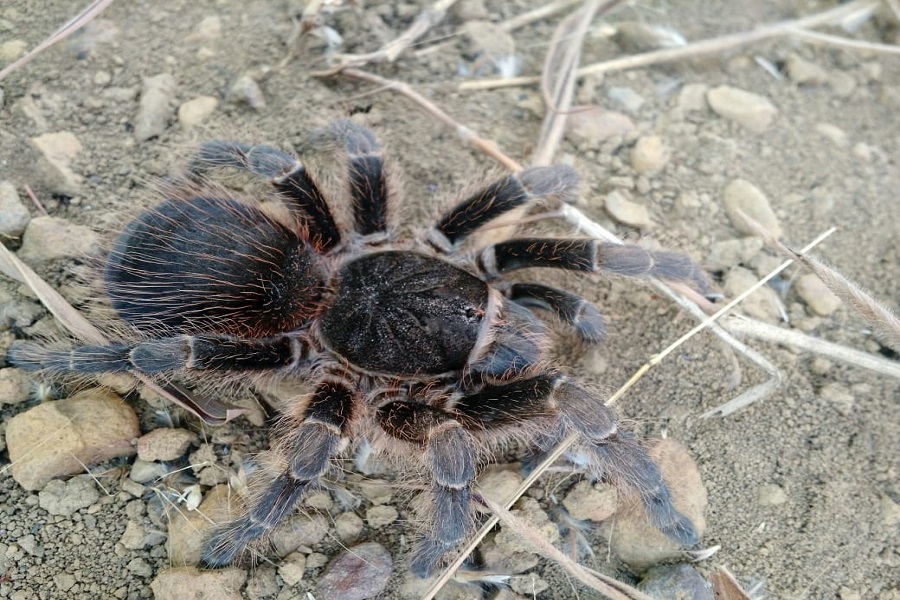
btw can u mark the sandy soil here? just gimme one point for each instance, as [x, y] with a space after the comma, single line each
[834, 535]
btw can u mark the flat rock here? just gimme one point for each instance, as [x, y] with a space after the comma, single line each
[627, 212]
[751, 111]
[58, 150]
[360, 572]
[189, 582]
[60, 438]
[379, 516]
[164, 444]
[741, 196]
[195, 111]
[770, 494]
[632, 538]
[816, 295]
[156, 107]
[188, 528]
[52, 238]
[14, 215]
[66, 497]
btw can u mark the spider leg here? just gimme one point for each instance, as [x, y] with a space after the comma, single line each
[198, 352]
[571, 309]
[498, 198]
[312, 439]
[517, 344]
[288, 175]
[368, 190]
[450, 454]
[615, 454]
[588, 255]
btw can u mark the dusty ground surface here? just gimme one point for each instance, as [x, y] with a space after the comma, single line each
[833, 532]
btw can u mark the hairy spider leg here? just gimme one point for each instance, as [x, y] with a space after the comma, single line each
[571, 309]
[615, 454]
[310, 440]
[299, 190]
[450, 454]
[517, 345]
[368, 187]
[588, 255]
[498, 198]
[165, 355]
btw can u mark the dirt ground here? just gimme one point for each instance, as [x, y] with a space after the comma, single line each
[823, 439]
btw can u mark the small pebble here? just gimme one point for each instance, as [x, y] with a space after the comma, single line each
[816, 295]
[65, 497]
[14, 215]
[134, 535]
[752, 111]
[742, 196]
[594, 502]
[834, 134]
[589, 126]
[262, 583]
[145, 471]
[15, 386]
[59, 438]
[804, 72]
[649, 155]
[636, 36]
[348, 526]
[839, 397]
[511, 541]
[292, 568]
[140, 567]
[493, 48]
[626, 98]
[771, 494]
[188, 528]
[11, 50]
[498, 482]
[359, 572]
[195, 111]
[156, 107]
[379, 516]
[529, 585]
[218, 584]
[729, 253]
[299, 530]
[58, 151]
[246, 90]
[692, 97]
[681, 581]
[209, 29]
[164, 444]
[627, 212]
[762, 304]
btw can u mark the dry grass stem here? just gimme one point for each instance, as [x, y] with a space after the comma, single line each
[79, 21]
[34, 200]
[771, 333]
[597, 581]
[695, 49]
[838, 41]
[427, 19]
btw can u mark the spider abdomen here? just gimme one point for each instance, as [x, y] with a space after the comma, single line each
[405, 313]
[213, 265]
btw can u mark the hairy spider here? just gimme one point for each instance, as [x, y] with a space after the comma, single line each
[416, 345]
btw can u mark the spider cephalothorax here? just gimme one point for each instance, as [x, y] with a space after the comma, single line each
[414, 342]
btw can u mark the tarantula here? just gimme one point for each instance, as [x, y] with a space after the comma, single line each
[417, 345]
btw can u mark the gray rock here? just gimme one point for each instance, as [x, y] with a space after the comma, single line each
[14, 215]
[299, 530]
[626, 98]
[58, 150]
[493, 48]
[498, 482]
[59, 438]
[834, 134]
[679, 582]
[245, 90]
[52, 238]
[692, 97]
[65, 497]
[134, 536]
[188, 582]
[156, 107]
[379, 516]
[751, 111]
[145, 471]
[358, 573]
[816, 295]
[627, 212]
[839, 397]
[741, 196]
[139, 567]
